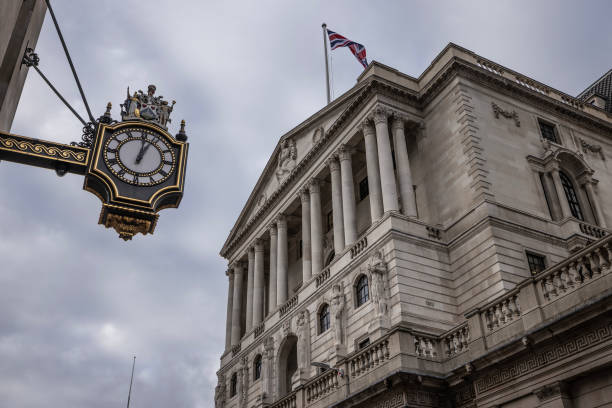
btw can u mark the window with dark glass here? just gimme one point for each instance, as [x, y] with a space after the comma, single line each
[233, 384]
[257, 368]
[572, 197]
[330, 221]
[363, 189]
[363, 293]
[364, 343]
[548, 131]
[324, 319]
[536, 263]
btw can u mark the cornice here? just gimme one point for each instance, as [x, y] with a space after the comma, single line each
[379, 86]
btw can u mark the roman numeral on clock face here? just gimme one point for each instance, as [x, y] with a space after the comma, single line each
[168, 162]
[163, 173]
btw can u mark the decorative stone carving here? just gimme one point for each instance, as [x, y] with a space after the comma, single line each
[261, 200]
[497, 110]
[318, 134]
[244, 381]
[303, 344]
[590, 148]
[338, 304]
[381, 114]
[268, 368]
[286, 328]
[287, 159]
[558, 389]
[378, 272]
[220, 391]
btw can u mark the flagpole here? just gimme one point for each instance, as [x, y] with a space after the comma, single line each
[326, 62]
[131, 380]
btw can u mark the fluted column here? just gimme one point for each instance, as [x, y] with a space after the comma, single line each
[237, 303]
[230, 302]
[250, 281]
[594, 200]
[316, 226]
[565, 210]
[385, 161]
[273, 280]
[282, 260]
[373, 169]
[306, 243]
[403, 167]
[258, 283]
[348, 194]
[336, 189]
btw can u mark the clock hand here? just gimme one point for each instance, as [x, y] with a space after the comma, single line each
[141, 152]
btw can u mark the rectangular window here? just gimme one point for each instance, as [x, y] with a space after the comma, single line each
[364, 343]
[536, 263]
[363, 189]
[548, 131]
[330, 221]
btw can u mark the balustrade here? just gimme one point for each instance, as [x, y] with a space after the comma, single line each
[322, 277]
[425, 346]
[288, 305]
[457, 340]
[290, 401]
[322, 385]
[368, 358]
[359, 246]
[592, 230]
[259, 330]
[503, 312]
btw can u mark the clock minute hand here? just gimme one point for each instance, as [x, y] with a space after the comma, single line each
[141, 152]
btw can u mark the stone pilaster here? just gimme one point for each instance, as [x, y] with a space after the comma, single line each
[404, 174]
[385, 161]
[237, 303]
[373, 169]
[250, 281]
[306, 236]
[316, 227]
[230, 301]
[282, 265]
[588, 183]
[565, 210]
[348, 194]
[337, 213]
[258, 283]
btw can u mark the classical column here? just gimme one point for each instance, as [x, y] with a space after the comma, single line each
[385, 161]
[403, 168]
[348, 195]
[250, 280]
[281, 260]
[565, 210]
[372, 167]
[551, 193]
[258, 283]
[237, 303]
[316, 226]
[594, 200]
[230, 301]
[306, 243]
[338, 218]
[273, 281]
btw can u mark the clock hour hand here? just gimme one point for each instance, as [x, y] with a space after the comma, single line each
[142, 151]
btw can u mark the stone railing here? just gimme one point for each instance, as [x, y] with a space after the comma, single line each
[236, 349]
[531, 84]
[259, 329]
[576, 270]
[369, 358]
[290, 401]
[490, 66]
[426, 346]
[288, 305]
[502, 311]
[359, 246]
[322, 277]
[456, 341]
[592, 230]
[322, 385]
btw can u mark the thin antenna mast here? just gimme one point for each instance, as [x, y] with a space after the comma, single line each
[131, 380]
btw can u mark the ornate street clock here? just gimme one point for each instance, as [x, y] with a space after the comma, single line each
[137, 168]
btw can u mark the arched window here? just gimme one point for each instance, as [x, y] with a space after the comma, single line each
[233, 384]
[572, 197]
[257, 368]
[363, 291]
[324, 318]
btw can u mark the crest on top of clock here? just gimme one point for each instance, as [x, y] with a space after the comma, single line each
[147, 107]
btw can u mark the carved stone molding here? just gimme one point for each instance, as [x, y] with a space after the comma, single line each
[497, 111]
[591, 148]
[558, 389]
[318, 134]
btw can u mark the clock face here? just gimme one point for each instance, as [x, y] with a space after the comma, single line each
[139, 156]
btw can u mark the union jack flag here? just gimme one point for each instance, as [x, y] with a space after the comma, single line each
[358, 50]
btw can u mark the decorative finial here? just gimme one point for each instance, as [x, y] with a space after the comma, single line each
[106, 118]
[181, 136]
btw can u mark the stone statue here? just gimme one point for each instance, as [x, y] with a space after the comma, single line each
[378, 272]
[268, 358]
[287, 159]
[337, 309]
[220, 392]
[164, 114]
[303, 345]
[147, 107]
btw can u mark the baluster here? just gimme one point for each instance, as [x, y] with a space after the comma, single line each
[379, 354]
[455, 343]
[574, 275]
[595, 262]
[558, 282]
[603, 261]
[386, 349]
[465, 337]
[487, 319]
[551, 286]
[506, 311]
[499, 315]
[352, 368]
[417, 346]
[545, 289]
[585, 268]
[512, 307]
[565, 278]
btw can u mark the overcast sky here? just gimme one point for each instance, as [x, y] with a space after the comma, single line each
[76, 302]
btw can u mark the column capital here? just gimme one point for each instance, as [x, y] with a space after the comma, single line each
[258, 245]
[333, 163]
[304, 195]
[281, 221]
[314, 186]
[238, 267]
[229, 272]
[397, 122]
[251, 252]
[381, 114]
[367, 127]
[272, 229]
[345, 152]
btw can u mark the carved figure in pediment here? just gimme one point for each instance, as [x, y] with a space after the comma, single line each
[337, 308]
[377, 269]
[317, 135]
[287, 159]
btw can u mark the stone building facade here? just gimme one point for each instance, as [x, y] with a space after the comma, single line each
[438, 241]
